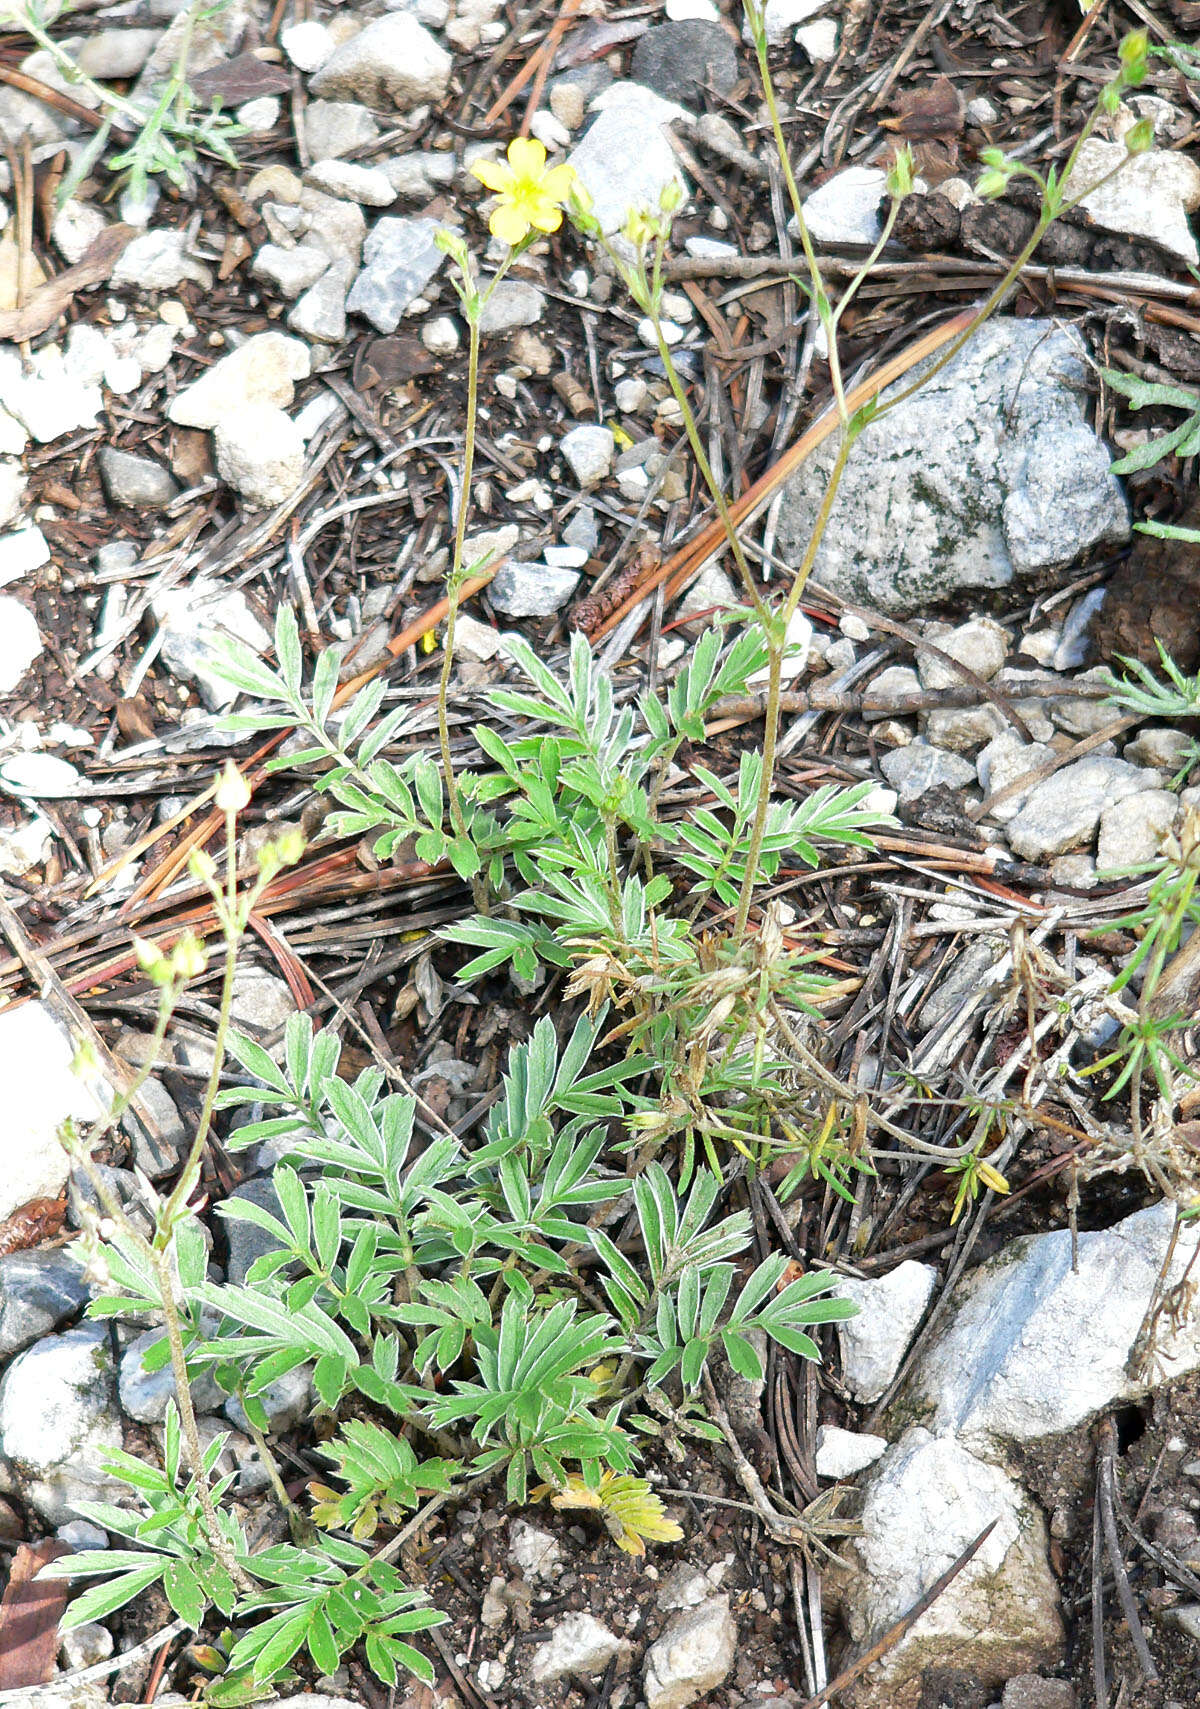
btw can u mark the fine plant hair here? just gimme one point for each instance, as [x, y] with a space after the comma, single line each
[546, 1306]
[164, 138]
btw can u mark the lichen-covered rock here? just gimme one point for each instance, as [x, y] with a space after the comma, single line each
[990, 471]
[1038, 1338]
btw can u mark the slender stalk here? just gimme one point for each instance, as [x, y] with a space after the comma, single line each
[187, 1417]
[189, 1173]
[771, 720]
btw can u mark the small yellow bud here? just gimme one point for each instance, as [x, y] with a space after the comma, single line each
[188, 958]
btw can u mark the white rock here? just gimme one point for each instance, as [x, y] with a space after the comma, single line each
[531, 590]
[533, 1552]
[1005, 759]
[475, 640]
[890, 1308]
[962, 729]
[624, 159]
[819, 40]
[193, 618]
[1164, 749]
[980, 111]
[20, 642]
[1132, 831]
[980, 645]
[39, 777]
[440, 336]
[260, 453]
[712, 591]
[1033, 1346]
[144, 1394]
[926, 1500]
[42, 1090]
[549, 131]
[158, 260]
[630, 395]
[261, 371]
[846, 208]
[333, 128]
[116, 53]
[918, 767]
[352, 183]
[578, 1647]
[1150, 196]
[76, 227]
[290, 270]
[589, 452]
[26, 845]
[23, 550]
[84, 1646]
[514, 303]
[781, 16]
[285, 1401]
[695, 1653]
[261, 115]
[58, 1416]
[845, 1453]
[320, 314]
[308, 44]
[393, 60]
[48, 400]
[895, 683]
[1061, 813]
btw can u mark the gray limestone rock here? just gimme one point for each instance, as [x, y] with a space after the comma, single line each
[37, 1291]
[532, 590]
[399, 259]
[989, 472]
[58, 1416]
[681, 60]
[695, 1653]
[625, 159]
[334, 128]
[141, 483]
[1037, 1339]
[923, 1503]
[918, 767]
[392, 61]
[1061, 813]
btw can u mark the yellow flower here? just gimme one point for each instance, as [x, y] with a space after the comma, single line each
[530, 193]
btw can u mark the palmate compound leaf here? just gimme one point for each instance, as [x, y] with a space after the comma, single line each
[632, 1512]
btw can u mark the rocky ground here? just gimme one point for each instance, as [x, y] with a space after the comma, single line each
[248, 391]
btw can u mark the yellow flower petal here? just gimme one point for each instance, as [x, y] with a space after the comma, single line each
[558, 182]
[527, 157]
[545, 217]
[508, 223]
[494, 174]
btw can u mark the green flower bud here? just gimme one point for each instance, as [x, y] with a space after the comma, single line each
[900, 178]
[1140, 137]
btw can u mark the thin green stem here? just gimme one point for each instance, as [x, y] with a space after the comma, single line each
[775, 656]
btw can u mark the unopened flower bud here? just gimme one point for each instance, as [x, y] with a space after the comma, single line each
[233, 792]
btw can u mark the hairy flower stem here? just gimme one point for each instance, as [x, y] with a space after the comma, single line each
[187, 1417]
[190, 1172]
[474, 304]
[771, 719]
